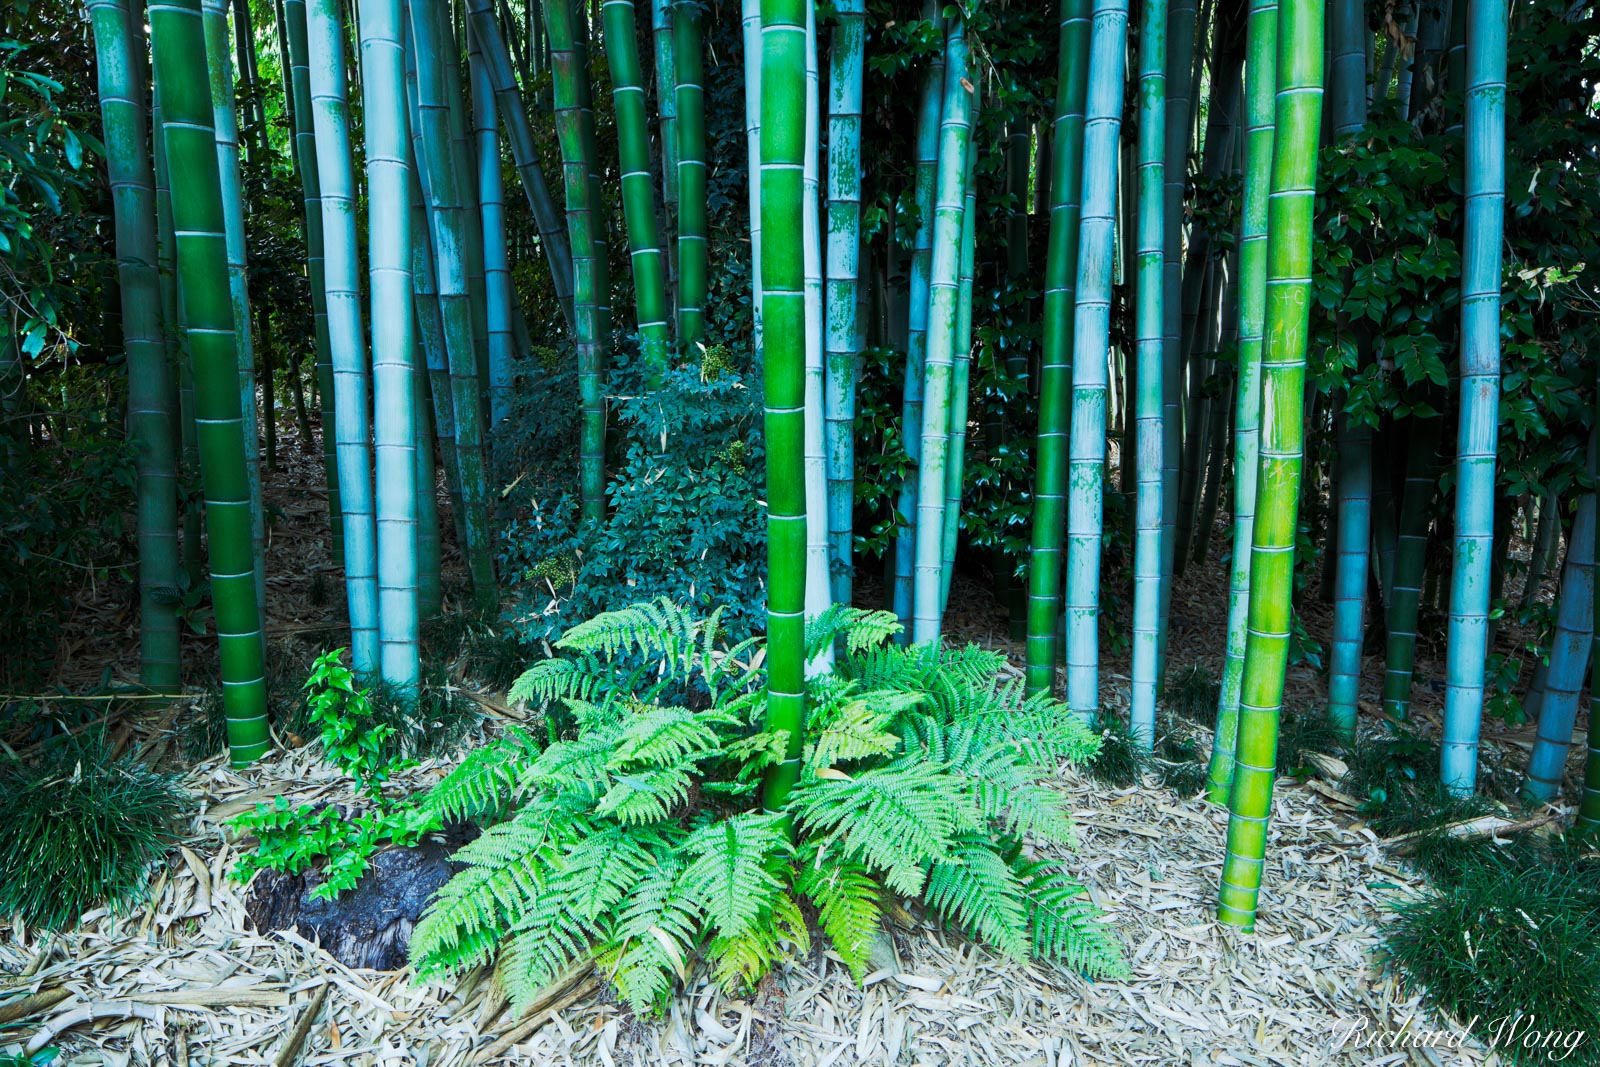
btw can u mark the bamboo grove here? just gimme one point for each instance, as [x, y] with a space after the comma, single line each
[1049, 305]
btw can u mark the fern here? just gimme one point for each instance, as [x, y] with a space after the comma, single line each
[897, 818]
[636, 836]
[977, 888]
[1063, 922]
[484, 784]
[849, 907]
[664, 737]
[731, 877]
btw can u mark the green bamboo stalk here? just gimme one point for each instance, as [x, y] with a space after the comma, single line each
[119, 65]
[638, 191]
[575, 131]
[944, 284]
[1180, 125]
[330, 115]
[783, 91]
[1416, 512]
[219, 61]
[1055, 372]
[846, 73]
[299, 76]
[1091, 347]
[178, 42]
[448, 223]
[1149, 325]
[496, 264]
[1289, 244]
[395, 389]
[961, 371]
[911, 407]
[519, 137]
[690, 125]
[1261, 43]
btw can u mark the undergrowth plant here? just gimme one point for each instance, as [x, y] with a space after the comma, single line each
[290, 839]
[80, 828]
[637, 836]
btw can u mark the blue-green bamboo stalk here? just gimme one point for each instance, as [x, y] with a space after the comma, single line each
[1348, 110]
[394, 363]
[818, 588]
[299, 76]
[961, 373]
[846, 72]
[950, 199]
[1569, 659]
[926, 180]
[330, 115]
[496, 266]
[750, 17]
[1148, 400]
[1108, 48]
[666, 64]
[1478, 432]
[448, 223]
[1180, 126]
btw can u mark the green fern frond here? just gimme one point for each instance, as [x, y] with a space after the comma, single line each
[896, 818]
[731, 876]
[1038, 811]
[549, 940]
[849, 906]
[890, 667]
[653, 940]
[485, 783]
[601, 870]
[664, 737]
[1064, 922]
[657, 630]
[644, 796]
[558, 678]
[576, 766]
[861, 628]
[977, 889]
[507, 869]
[739, 961]
[856, 729]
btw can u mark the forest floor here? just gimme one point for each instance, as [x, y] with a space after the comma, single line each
[184, 978]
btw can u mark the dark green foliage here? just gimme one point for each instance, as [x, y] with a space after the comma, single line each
[1180, 762]
[637, 833]
[79, 828]
[684, 519]
[1397, 778]
[474, 648]
[1510, 933]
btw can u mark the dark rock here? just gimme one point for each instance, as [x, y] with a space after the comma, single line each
[368, 926]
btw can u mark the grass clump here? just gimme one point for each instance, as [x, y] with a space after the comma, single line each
[79, 828]
[1121, 759]
[1509, 943]
[1396, 777]
[1193, 696]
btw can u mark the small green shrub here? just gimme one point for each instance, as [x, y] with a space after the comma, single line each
[1396, 777]
[78, 828]
[290, 839]
[1509, 948]
[638, 834]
